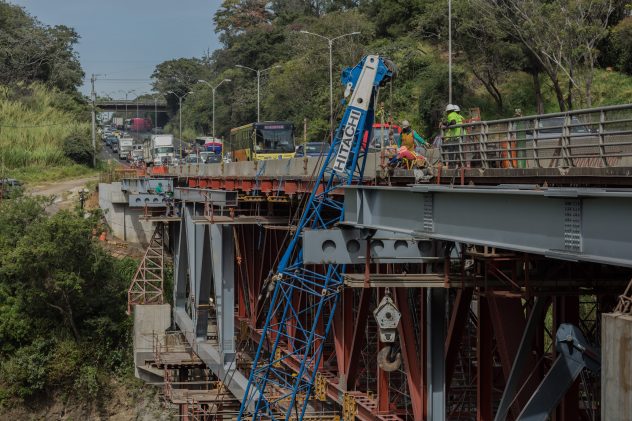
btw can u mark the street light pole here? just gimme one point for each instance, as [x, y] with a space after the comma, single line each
[180, 98]
[128, 92]
[330, 43]
[449, 51]
[258, 72]
[213, 89]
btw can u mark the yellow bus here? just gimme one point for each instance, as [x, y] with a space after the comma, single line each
[261, 141]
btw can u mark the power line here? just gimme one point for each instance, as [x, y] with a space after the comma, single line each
[31, 126]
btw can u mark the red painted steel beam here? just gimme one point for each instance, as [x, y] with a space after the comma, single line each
[359, 339]
[485, 363]
[458, 322]
[343, 328]
[410, 354]
[509, 322]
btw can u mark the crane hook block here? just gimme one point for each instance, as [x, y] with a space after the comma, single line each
[387, 317]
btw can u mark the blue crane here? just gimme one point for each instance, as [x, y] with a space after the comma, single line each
[303, 300]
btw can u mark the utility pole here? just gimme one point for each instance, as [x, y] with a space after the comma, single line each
[94, 122]
[449, 51]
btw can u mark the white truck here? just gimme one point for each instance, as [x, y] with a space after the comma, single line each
[158, 149]
[126, 145]
[117, 122]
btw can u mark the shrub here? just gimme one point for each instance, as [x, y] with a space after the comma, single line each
[78, 148]
[26, 372]
[88, 385]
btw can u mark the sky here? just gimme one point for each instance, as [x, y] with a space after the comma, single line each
[127, 39]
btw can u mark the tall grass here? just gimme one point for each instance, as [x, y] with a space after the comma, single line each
[34, 121]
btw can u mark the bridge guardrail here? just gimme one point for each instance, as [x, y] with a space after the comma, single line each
[595, 137]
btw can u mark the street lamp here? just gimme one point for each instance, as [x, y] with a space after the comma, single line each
[213, 89]
[126, 93]
[258, 72]
[330, 42]
[180, 98]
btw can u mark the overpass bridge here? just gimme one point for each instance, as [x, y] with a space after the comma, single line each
[120, 104]
[507, 222]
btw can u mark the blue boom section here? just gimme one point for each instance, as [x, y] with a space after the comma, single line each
[303, 301]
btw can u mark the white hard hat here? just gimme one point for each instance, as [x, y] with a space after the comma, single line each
[405, 124]
[450, 107]
[457, 108]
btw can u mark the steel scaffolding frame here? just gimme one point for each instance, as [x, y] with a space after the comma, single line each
[147, 285]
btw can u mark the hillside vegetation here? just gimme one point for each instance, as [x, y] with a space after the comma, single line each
[529, 55]
[43, 119]
[63, 325]
[36, 122]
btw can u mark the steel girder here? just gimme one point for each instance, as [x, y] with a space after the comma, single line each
[567, 223]
[204, 269]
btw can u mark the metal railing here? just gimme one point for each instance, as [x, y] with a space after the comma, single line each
[595, 137]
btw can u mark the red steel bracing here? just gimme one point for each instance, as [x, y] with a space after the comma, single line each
[509, 322]
[458, 322]
[410, 355]
[343, 332]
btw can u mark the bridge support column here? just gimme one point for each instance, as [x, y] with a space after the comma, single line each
[436, 354]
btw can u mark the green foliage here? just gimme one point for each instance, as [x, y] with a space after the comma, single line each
[88, 384]
[31, 51]
[178, 76]
[25, 372]
[78, 147]
[35, 122]
[62, 303]
[621, 42]
[502, 60]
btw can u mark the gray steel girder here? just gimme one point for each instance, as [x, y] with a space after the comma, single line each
[348, 246]
[214, 197]
[145, 185]
[566, 223]
[205, 258]
[141, 200]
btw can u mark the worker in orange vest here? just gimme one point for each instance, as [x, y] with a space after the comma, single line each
[410, 138]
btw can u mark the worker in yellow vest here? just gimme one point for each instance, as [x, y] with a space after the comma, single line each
[453, 118]
[410, 138]
[452, 136]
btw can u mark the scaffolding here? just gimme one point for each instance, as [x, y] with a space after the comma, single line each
[147, 283]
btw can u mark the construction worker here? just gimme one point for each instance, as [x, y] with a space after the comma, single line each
[453, 118]
[410, 138]
[452, 134]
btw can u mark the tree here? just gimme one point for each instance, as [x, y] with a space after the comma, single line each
[560, 34]
[486, 50]
[180, 76]
[30, 51]
[237, 16]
